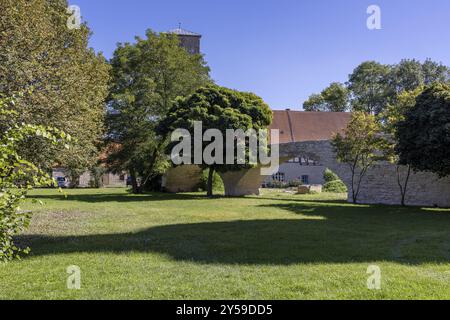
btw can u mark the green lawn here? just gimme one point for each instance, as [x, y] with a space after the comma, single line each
[276, 246]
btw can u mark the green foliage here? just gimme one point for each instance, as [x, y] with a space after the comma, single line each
[276, 184]
[18, 175]
[217, 182]
[336, 186]
[147, 76]
[222, 109]
[295, 183]
[359, 147]
[97, 173]
[390, 118]
[424, 133]
[335, 98]
[373, 86]
[64, 82]
[333, 183]
[369, 87]
[330, 176]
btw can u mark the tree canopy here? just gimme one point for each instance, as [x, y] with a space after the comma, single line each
[372, 86]
[424, 133]
[359, 147]
[147, 77]
[335, 98]
[222, 109]
[64, 83]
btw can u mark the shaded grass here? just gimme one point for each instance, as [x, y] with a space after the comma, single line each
[185, 246]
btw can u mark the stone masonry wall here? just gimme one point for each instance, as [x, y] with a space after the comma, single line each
[379, 186]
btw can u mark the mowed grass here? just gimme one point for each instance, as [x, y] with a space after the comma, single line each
[185, 246]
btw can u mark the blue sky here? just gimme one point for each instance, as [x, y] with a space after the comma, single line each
[283, 50]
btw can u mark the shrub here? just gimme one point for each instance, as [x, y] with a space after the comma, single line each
[17, 176]
[275, 184]
[330, 176]
[336, 186]
[295, 183]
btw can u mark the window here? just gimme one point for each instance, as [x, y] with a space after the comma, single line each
[280, 176]
[305, 179]
[122, 177]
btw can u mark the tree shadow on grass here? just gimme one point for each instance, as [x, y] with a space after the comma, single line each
[119, 197]
[317, 235]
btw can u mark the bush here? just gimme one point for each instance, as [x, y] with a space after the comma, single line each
[17, 176]
[336, 186]
[275, 184]
[295, 183]
[217, 182]
[330, 176]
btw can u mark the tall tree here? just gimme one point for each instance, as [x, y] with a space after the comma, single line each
[221, 109]
[369, 87]
[147, 76]
[334, 98]
[435, 72]
[390, 118]
[424, 134]
[408, 75]
[64, 82]
[359, 148]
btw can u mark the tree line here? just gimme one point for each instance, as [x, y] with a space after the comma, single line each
[372, 86]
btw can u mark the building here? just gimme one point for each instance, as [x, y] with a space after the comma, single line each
[188, 40]
[86, 180]
[299, 126]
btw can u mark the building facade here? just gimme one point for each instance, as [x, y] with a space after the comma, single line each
[108, 180]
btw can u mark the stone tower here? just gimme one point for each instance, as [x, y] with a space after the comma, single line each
[188, 40]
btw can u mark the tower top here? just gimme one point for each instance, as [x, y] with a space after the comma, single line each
[183, 32]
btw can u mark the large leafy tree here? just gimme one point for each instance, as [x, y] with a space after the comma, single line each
[359, 147]
[373, 86]
[369, 87]
[393, 114]
[64, 82]
[17, 175]
[335, 98]
[147, 76]
[410, 74]
[424, 133]
[222, 109]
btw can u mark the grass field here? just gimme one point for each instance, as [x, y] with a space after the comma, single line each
[276, 246]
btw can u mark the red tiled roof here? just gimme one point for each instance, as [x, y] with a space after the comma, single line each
[298, 126]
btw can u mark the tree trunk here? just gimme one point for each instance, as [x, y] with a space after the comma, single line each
[134, 183]
[404, 186]
[74, 181]
[209, 187]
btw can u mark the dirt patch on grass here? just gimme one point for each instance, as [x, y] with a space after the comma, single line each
[59, 223]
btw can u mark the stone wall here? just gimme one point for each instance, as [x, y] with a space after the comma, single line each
[379, 186]
[182, 179]
[424, 189]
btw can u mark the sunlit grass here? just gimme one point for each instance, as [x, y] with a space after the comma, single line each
[275, 246]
